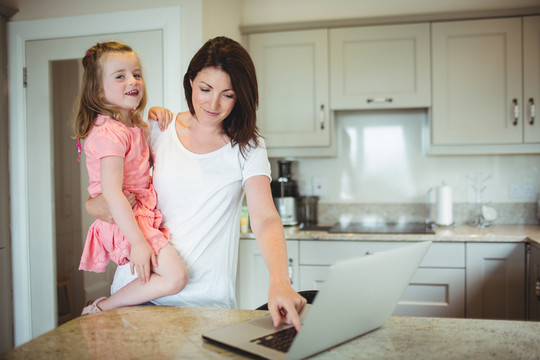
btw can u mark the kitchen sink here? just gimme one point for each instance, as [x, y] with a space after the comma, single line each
[382, 228]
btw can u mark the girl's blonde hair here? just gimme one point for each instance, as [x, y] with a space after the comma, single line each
[91, 97]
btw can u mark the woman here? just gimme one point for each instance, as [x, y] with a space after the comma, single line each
[203, 162]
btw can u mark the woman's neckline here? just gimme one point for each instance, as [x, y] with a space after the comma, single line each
[178, 119]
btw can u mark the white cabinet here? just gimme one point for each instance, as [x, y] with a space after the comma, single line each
[478, 76]
[253, 276]
[378, 67]
[437, 289]
[496, 280]
[292, 73]
[531, 78]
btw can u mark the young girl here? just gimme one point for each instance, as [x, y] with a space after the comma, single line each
[111, 101]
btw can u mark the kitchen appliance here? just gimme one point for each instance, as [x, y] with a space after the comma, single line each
[443, 204]
[307, 211]
[382, 228]
[285, 193]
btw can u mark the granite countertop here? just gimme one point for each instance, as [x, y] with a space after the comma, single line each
[460, 233]
[160, 332]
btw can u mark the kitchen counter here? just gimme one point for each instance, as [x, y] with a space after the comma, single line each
[160, 332]
[461, 233]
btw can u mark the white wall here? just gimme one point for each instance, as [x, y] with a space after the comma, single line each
[380, 159]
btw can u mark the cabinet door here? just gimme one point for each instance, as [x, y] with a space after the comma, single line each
[253, 276]
[534, 283]
[531, 78]
[292, 72]
[496, 281]
[477, 80]
[376, 67]
[431, 292]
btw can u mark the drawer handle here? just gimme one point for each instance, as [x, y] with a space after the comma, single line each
[322, 117]
[532, 111]
[537, 289]
[291, 270]
[369, 253]
[516, 111]
[379, 100]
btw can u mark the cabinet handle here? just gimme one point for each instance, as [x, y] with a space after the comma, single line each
[532, 111]
[516, 111]
[379, 100]
[291, 270]
[538, 289]
[322, 117]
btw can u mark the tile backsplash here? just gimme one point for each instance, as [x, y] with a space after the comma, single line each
[507, 213]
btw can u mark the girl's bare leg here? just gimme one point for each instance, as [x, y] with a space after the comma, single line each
[169, 278]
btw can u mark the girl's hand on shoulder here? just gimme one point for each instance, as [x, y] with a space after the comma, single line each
[142, 259]
[161, 115]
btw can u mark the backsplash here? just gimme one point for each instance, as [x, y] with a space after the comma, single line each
[507, 213]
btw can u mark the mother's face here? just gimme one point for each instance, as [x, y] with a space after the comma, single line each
[213, 96]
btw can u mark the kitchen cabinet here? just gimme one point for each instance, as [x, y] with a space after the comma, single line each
[533, 291]
[437, 289]
[380, 67]
[484, 73]
[253, 276]
[292, 73]
[496, 280]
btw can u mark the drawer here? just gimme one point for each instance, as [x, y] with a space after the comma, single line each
[440, 254]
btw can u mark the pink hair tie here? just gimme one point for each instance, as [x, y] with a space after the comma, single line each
[88, 53]
[79, 149]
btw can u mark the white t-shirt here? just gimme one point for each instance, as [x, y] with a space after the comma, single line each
[200, 197]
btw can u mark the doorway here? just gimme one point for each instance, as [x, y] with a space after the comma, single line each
[31, 161]
[53, 78]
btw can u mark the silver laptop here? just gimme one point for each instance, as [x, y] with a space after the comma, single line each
[358, 296]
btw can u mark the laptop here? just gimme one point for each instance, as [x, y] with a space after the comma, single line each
[358, 296]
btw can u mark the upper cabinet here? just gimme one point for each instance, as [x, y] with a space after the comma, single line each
[292, 72]
[380, 67]
[478, 85]
[531, 78]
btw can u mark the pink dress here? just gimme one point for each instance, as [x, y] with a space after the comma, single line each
[105, 241]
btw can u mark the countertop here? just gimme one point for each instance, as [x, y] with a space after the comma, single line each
[460, 233]
[160, 332]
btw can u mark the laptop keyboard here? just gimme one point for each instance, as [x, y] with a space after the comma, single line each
[280, 341]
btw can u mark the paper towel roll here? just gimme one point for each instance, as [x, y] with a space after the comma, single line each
[444, 205]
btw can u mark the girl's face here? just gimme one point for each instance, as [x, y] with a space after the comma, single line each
[213, 96]
[123, 85]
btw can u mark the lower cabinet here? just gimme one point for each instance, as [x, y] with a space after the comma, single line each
[455, 279]
[534, 283]
[253, 276]
[496, 281]
[437, 289]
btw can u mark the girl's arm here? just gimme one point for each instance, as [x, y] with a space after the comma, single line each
[111, 176]
[161, 115]
[284, 303]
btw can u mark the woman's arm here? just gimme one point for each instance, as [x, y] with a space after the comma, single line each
[98, 209]
[142, 256]
[284, 303]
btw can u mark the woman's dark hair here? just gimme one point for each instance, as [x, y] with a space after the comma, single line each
[229, 56]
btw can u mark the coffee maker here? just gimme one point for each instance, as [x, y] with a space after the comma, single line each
[285, 193]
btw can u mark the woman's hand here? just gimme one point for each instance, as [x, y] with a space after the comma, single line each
[285, 304]
[142, 258]
[161, 115]
[99, 209]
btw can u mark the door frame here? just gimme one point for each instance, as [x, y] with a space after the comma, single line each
[182, 36]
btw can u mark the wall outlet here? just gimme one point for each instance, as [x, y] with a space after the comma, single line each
[318, 185]
[522, 190]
